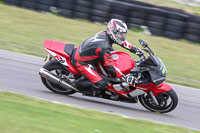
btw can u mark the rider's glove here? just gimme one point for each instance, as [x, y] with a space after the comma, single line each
[128, 79]
[139, 52]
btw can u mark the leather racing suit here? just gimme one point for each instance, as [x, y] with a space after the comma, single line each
[92, 51]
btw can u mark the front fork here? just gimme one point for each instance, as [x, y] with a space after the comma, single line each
[153, 98]
[163, 87]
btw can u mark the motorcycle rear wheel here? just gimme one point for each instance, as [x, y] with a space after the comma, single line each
[167, 101]
[58, 69]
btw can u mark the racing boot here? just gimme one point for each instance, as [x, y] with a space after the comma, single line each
[84, 86]
[99, 86]
[91, 89]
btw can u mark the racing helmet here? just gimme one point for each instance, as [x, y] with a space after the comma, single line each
[117, 30]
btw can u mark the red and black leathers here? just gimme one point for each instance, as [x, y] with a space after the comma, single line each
[92, 51]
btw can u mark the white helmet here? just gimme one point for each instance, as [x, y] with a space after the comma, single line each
[117, 30]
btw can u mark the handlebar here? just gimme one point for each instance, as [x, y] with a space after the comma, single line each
[149, 51]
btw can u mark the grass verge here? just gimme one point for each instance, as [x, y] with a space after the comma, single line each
[24, 31]
[22, 114]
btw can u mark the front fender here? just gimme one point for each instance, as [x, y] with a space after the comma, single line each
[163, 87]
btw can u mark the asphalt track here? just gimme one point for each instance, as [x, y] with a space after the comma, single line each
[19, 74]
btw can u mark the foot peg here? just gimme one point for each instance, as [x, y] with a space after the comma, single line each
[92, 93]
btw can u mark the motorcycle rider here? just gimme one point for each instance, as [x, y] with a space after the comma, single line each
[97, 48]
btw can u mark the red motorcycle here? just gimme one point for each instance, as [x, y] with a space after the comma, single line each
[58, 74]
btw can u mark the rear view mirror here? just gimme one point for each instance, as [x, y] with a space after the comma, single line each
[143, 43]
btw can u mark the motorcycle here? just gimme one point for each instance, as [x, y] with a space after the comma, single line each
[148, 87]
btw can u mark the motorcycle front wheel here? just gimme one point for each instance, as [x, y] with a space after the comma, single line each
[167, 101]
[55, 67]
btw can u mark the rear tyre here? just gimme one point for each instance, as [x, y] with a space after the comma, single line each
[167, 101]
[58, 69]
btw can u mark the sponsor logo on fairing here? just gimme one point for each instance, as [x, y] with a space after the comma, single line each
[61, 59]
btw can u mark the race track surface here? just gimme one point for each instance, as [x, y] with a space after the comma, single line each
[19, 74]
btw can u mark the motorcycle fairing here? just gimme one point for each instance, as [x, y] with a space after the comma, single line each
[120, 93]
[141, 89]
[56, 47]
[156, 89]
[163, 87]
[57, 50]
[159, 72]
[122, 61]
[157, 69]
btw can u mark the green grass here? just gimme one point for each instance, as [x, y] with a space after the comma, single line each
[24, 31]
[172, 4]
[21, 114]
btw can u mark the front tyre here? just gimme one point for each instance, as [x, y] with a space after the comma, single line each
[55, 67]
[167, 101]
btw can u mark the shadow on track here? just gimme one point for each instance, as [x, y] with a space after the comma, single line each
[117, 105]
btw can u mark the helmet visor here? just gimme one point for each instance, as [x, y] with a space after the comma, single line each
[121, 36]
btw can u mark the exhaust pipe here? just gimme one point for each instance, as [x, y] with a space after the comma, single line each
[55, 79]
